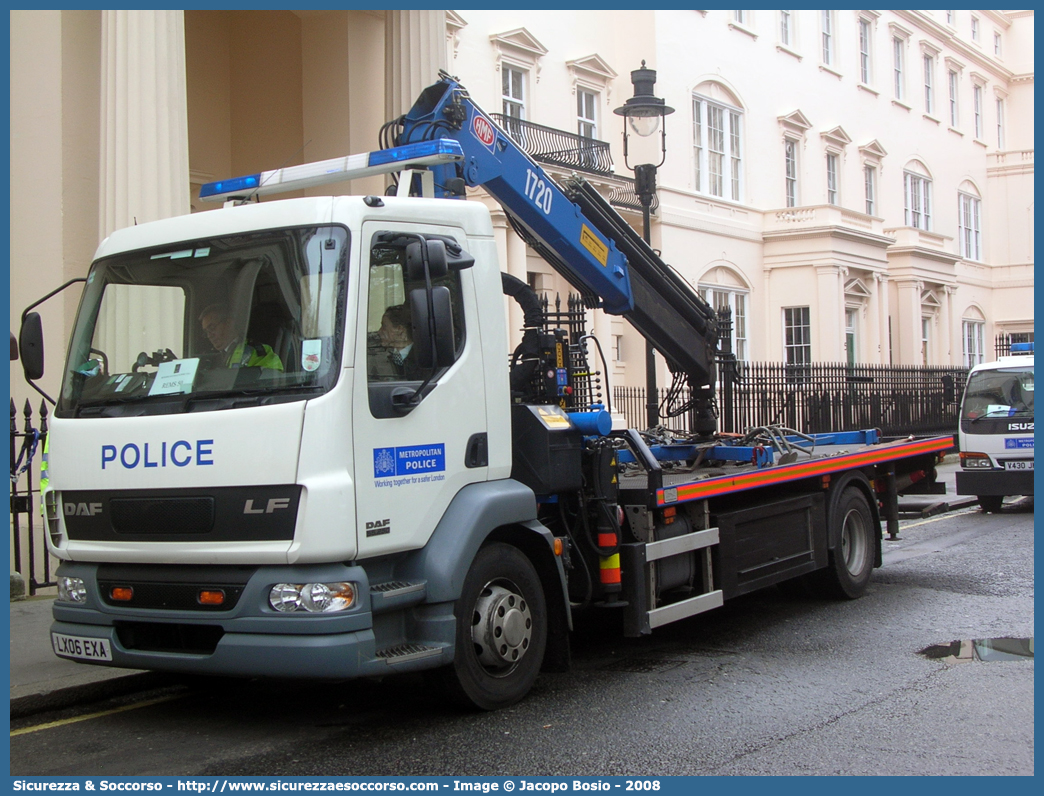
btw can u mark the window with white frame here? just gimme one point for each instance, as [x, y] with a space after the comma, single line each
[717, 148]
[790, 150]
[586, 113]
[975, 28]
[929, 83]
[969, 222]
[951, 79]
[827, 23]
[898, 77]
[786, 28]
[865, 49]
[926, 330]
[739, 17]
[832, 161]
[977, 109]
[1000, 123]
[797, 336]
[949, 17]
[851, 322]
[513, 86]
[618, 350]
[870, 188]
[996, 44]
[917, 190]
[974, 334]
[735, 301]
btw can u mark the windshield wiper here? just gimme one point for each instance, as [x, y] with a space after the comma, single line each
[998, 415]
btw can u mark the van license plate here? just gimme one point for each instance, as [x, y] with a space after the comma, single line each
[86, 649]
[1018, 465]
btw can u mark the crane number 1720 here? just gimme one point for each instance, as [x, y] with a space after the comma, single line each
[538, 191]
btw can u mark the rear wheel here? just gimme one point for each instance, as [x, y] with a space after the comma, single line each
[991, 504]
[501, 630]
[852, 559]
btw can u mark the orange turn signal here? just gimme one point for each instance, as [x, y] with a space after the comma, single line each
[121, 593]
[559, 546]
[212, 597]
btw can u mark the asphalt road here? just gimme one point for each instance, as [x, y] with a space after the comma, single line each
[768, 684]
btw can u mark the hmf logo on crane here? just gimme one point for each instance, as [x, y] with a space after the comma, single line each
[483, 130]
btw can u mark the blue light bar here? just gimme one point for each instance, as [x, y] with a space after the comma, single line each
[322, 172]
[444, 148]
[1022, 348]
[236, 185]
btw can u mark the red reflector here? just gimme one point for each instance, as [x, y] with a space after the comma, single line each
[121, 593]
[211, 597]
[607, 540]
[670, 511]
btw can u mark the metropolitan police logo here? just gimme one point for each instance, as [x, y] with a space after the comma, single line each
[383, 462]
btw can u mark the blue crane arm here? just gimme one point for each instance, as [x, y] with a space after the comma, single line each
[577, 232]
[588, 259]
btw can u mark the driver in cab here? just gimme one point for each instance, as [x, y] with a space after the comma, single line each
[220, 331]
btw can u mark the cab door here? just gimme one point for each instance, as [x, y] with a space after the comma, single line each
[411, 460]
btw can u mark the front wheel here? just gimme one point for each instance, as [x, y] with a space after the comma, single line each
[991, 504]
[501, 630]
[852, 560]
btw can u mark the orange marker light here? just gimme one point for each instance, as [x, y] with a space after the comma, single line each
[211, 597]
[121, 593]
[559, 547]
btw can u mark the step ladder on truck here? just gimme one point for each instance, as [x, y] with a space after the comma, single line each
[289, 443]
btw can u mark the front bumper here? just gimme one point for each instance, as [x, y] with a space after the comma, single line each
[995, 482]
[251, 638]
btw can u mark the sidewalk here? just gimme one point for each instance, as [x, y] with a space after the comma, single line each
[40, 680]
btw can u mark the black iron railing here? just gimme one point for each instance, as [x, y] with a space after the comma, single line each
[827, 396]
[557, 147]
[31, 559]
[569, 150]
[1002, 342]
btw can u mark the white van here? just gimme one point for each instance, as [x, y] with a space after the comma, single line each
[996, 431]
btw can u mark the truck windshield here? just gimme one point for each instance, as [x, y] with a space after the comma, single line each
[1007, 392]
[208, 324]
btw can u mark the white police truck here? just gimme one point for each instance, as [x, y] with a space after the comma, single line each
[290, 440]
[996, 429]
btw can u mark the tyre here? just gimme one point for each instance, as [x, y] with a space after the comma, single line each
[501, 630]
[852, 560]
[991, 504]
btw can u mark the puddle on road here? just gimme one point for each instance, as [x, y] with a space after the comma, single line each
[981, 649]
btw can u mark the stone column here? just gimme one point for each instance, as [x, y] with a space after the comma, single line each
[908, 331]
[516, 266]
[948, 322]
[828, 317]
[144, 118]
[414, 52]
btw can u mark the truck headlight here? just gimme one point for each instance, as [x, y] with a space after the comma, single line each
[312, 598]
[72, 590]
[975, 461]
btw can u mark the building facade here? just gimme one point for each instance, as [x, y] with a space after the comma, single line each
[855, 185]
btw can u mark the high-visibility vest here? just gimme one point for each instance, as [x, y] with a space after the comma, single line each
[245, 355]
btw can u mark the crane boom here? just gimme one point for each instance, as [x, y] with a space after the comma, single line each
[576, 231]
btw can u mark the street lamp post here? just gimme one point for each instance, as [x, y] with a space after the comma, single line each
[645, 113]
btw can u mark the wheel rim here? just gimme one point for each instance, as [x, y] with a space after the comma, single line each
[854, 542]
[501, 628]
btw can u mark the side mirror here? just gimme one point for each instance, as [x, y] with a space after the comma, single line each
[438, 265]
[443, 347]
[30, 341]
[14, 348]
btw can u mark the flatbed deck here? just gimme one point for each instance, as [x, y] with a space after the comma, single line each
[681, 483]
